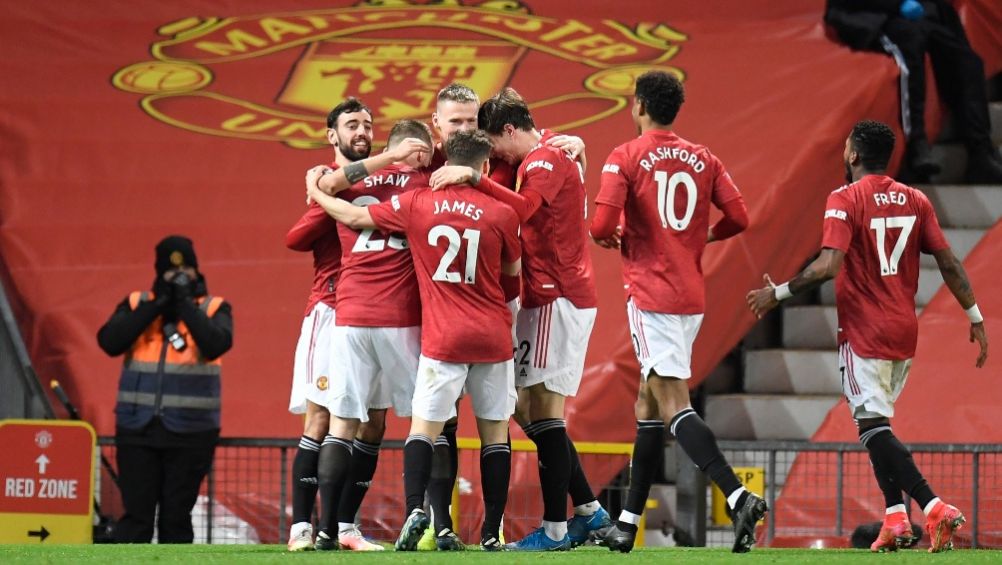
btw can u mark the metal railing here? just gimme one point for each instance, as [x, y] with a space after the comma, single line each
[246, 498]
[21, 395]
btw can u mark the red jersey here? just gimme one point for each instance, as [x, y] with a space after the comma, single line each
[378, 287]
[458, 239]
[317, 232]
[882, 226]
[664, 185]
[501, 171]
[556, 262]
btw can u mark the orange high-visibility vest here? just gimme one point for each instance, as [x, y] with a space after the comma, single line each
[182, 388]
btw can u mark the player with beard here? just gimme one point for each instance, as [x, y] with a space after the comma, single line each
[876, 228]
[350, 449]
[465, 339]
[376, 340]
[349, 130]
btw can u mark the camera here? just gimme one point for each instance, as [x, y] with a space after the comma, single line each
[181, 279]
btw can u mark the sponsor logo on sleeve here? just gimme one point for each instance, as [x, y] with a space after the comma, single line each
[395, 201]
[610, 168]
[833, 213]
[539, 164]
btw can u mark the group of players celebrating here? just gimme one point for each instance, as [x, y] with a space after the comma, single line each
[461, 266]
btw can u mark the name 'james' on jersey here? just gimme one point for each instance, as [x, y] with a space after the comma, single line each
[665, 185]
[459, 238]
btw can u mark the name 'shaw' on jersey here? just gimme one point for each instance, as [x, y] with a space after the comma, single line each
[377, 287]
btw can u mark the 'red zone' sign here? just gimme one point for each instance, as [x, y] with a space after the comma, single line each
[46, 481]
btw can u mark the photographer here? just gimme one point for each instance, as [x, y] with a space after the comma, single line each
[167, 414]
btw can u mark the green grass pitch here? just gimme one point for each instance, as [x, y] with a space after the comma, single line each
[207, 554]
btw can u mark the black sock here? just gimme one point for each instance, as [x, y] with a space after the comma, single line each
[550, 437]
[892, 494]
[700, 445]
[495, 474]
[364, 457]
[418, 451]
[333, 467]
[578, 488]
[443, 477]
[304, 479]
[895, 459]
[647, 448]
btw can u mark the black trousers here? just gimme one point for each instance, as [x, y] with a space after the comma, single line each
[158, 468]
[958, 70]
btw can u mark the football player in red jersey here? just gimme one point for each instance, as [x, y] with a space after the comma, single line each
[350, 450]
[349, 129]
[456, 111]
[874, 230]
[466, 339]
[663, 185]
[558, 301]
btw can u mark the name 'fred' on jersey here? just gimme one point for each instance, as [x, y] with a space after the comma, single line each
[882, 226]
[665, 185]
[377, 287]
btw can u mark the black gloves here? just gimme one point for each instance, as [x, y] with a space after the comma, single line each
[181, 289]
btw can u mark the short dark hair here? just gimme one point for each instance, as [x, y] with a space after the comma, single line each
[468, 148]
[662, 94]
[458, 92]
[505, 107]
[349, 106]
[874, 142]
[409, 128]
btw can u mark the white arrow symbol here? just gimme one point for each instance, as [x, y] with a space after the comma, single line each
[42, 461]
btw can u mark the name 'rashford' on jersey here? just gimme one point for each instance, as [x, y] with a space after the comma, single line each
[378, 287]
[556, 261]
[458, 239]
[665, 185]
[882, 226]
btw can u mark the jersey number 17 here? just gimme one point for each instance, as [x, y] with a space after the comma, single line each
[889, 265]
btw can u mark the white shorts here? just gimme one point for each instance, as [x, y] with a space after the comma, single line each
[491, 387]
[376, 368]
[311, 372]
[663, 342]
[871, 385]
[552, 342]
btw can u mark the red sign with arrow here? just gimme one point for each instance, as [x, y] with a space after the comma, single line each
[46, 481]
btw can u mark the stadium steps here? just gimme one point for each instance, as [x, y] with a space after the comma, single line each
[949, 152]
[791, 379]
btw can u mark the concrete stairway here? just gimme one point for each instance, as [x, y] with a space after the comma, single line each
[789, 389]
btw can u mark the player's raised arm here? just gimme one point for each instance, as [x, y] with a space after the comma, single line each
[355, 217]
[956, 280]
[336, 180]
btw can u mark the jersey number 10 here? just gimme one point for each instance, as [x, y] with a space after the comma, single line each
[889, 267]
[472, 237]
[666, 198]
